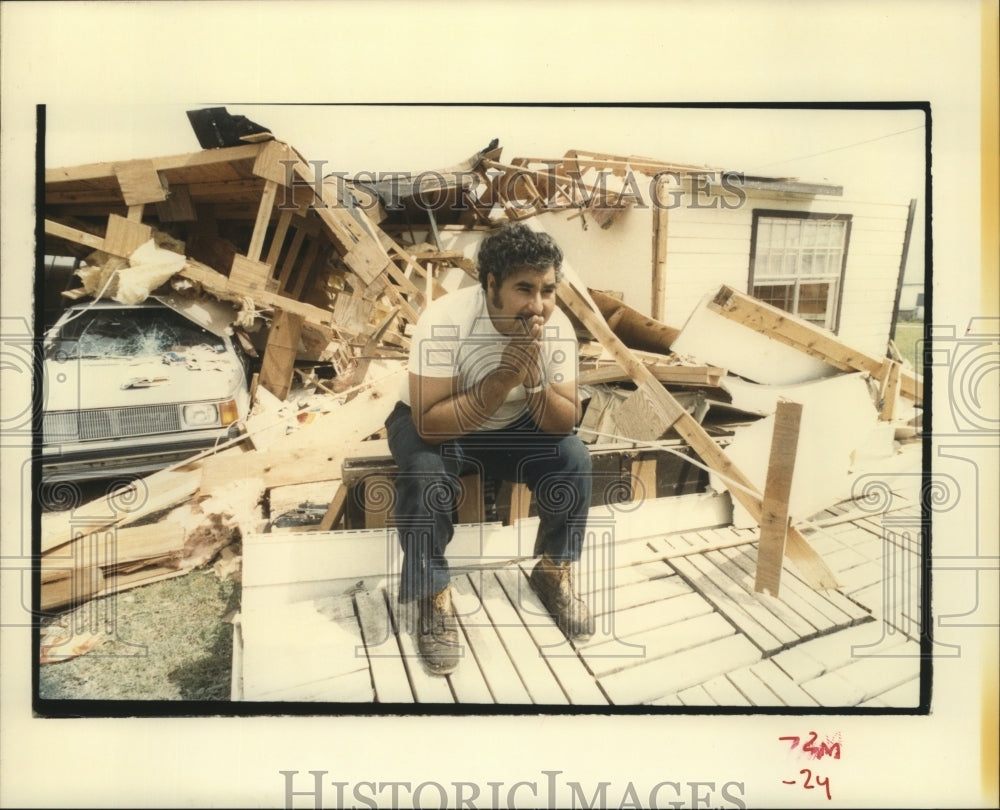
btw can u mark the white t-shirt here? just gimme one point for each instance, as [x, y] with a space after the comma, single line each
[456, 337]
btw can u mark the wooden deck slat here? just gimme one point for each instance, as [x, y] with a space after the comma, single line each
[833, 690]
[696, 696]
[724, 693]
[787, 690]
[669, 640]
[542, 686]
[667, 700]
[664, 676]
[297, 646]
[797, 626]
[426, 688]
[714, 585]
[624, 597]
[498, 670]
[753, 688]
[578, 684]
[388, 671]
[791, 590]
[629, 622]
[875, 675]
[350, 687]
[467, 681]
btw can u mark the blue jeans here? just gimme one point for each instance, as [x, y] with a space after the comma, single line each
[556, 468]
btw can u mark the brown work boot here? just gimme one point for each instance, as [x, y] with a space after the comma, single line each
[553, 582]
[437, 635]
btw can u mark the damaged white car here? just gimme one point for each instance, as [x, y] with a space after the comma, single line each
[130, 389]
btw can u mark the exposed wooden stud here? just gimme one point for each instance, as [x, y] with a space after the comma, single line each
[135, 213]
[660, 226]
[278, 365]
[889, 390]
[335, 512]
[263, 218]
[520, 502]
[278, 240]
[644, 478]
[471, 508]
[305, 268]
[290, 258]
[777, 488]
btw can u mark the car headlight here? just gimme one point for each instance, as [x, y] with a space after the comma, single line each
[205, 414]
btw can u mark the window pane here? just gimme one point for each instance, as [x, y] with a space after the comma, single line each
[778, 295]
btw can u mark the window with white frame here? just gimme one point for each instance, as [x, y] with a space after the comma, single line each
[797, 263]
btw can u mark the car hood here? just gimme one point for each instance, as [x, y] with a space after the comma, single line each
[82, 384]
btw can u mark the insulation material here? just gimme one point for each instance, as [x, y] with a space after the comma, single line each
[840, 429]
[150, 266]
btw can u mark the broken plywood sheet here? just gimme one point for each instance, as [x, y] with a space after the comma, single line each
[839, 425]
[711, 338]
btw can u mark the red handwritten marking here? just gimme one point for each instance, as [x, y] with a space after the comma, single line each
[829, 747]
[821, 781]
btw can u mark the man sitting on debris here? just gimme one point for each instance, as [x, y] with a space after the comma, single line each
[492, 389]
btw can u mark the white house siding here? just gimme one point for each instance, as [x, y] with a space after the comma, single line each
[708, 247]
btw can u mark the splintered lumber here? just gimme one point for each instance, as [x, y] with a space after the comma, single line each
[637, 331]
[804, 336]
[777, 488]
[278, 366]
[219, 286]
[659, 406]
[314, 452]
[665, 371]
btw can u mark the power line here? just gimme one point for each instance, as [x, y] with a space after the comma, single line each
[838, 148]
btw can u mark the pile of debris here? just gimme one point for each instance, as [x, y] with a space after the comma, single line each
[327, 278]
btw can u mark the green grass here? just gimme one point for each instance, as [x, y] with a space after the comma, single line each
[908, 335]
[163, 641]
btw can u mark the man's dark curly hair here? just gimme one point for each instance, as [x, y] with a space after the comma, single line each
[516, 247]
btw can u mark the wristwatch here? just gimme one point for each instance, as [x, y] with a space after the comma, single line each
[534, 389]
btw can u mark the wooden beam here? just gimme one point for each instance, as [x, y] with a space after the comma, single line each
[278, 365]
[777, 488]
[889, 390]
[263, 218]
[278, 240]
[290, 258]
[636, 330]
[93, 171]
[660, 225]
[218, 285]
[799, 334]
[335, 512]
[57, 229]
